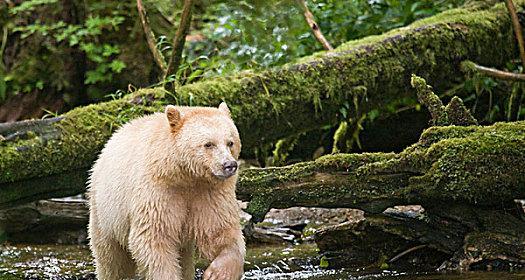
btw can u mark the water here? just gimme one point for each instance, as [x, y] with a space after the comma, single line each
[263, 262]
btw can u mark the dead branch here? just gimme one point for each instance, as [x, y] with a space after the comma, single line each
[27, 125]
[309, 17]
[179, 39]
[495, 73]
[150, 38]
[5, 32]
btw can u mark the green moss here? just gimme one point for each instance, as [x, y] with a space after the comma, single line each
[426, 96]
[458, 114]
[339, 136]
[259, 206]
[455, 113]
[82, 131]
[469, 67]
[349, 162]
[285, 101]
[473, 164]
[282, 150]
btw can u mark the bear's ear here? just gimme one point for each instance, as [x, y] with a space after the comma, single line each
[173, 115]
[224, 108]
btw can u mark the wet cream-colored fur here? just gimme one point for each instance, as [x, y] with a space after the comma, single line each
[158, 194]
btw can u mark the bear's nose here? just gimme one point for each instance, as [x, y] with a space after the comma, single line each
[229, 167]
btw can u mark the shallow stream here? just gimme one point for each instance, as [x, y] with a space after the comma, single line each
[263, 262]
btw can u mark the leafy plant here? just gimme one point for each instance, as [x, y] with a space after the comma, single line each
[260, 34]
[228, 36]
[48, 36]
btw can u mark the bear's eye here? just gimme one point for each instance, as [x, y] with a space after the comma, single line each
[230, 144]
[208, 145]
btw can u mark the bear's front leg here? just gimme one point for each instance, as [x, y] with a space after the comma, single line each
[156, 256]
[153, 241]
[229, 262]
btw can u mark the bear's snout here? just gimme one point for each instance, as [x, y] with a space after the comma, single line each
[229, 168]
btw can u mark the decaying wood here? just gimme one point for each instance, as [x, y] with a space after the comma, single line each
[28, 125]
[438, 169]
[448, 237]
[46, 221]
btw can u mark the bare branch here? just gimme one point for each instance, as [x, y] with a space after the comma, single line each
[309, 17]
[180, 39]
[517, 29]
[150, 38]
[495, 73]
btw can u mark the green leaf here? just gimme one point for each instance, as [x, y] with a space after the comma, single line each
[29, 6]
[117, 65]
[95, 76]
[324, 262]
[195, 74]
[116, 21]
[108, 50]
[39, 84]
[373, 114]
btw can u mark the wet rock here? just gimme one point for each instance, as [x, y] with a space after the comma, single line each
[296, 224]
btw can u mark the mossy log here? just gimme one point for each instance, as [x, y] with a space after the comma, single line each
[476, 165]
[276, 103]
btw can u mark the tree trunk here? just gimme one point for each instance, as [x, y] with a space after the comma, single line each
[279, 102]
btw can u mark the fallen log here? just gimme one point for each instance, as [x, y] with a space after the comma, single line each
[466, 178]
[479, 165]
[280, 102]
[461, 227]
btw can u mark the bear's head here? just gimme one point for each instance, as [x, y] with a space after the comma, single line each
[206, 142]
